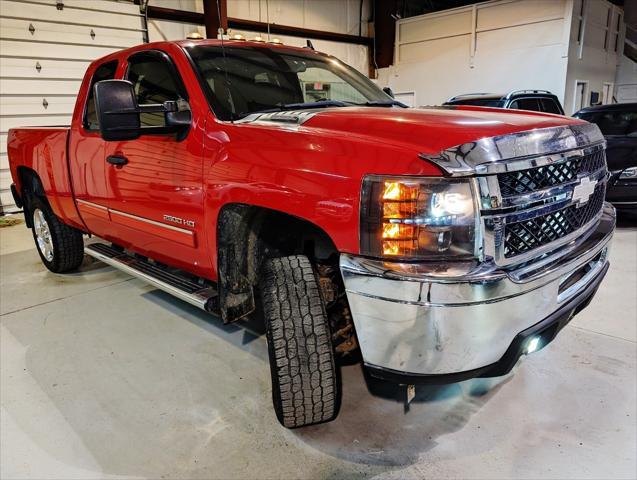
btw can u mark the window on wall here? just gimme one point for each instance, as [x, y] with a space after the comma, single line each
[580, 95]
[607, 28]
[607, 93]
[580, 23]
[618, 26]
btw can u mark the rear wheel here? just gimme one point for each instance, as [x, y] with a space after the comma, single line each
[304, 382]
[60, 246]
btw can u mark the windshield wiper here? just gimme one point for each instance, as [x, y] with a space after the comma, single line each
[282, 107]
[383, 103]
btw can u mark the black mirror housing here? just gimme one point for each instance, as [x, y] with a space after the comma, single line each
[118, 113]
[117, 110]
[388, 91]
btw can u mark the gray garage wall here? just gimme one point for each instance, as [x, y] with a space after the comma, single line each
[44, 50]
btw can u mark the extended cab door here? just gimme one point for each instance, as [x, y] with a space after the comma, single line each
[154, 183]
[86, 155]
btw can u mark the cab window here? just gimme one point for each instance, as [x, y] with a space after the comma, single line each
[155, 80]
[103, 72]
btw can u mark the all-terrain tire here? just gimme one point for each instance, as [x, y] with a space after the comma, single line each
[67, 243]
[304, 382]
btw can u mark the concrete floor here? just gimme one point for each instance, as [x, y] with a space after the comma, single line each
[104, 377]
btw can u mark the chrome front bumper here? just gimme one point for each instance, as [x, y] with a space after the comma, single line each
[451, 318]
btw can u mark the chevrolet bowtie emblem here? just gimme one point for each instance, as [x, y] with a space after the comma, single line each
[583, 190]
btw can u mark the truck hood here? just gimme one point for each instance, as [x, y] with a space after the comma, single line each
[428, 130]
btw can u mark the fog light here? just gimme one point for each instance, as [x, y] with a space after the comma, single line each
[533, 345]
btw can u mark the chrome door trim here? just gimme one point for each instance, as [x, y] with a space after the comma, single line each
[135, 217]
[151, 222]
[91, 204]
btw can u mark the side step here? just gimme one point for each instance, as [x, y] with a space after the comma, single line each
[204, 297]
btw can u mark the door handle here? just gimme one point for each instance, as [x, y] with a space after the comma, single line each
[117, 160]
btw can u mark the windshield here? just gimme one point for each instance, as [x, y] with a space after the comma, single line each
[480, 102]
[256, 79]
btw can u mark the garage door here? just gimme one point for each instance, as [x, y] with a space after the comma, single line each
[45, 47]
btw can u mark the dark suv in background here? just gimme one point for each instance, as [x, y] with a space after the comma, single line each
[618, 123]
[535, 100]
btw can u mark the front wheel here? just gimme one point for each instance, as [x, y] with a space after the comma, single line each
[60, 246]
[304, 383]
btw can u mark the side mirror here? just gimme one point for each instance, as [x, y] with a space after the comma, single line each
[117, 111]
[178, 114]
[389, 91]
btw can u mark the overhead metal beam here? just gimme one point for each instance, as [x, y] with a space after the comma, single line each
[215, 16]
[384, 32]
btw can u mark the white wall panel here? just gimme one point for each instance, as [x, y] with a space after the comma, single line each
[626, 81]
[28, 68]
[36, 105]
[44, 86]
[43, 120]
[438, 26]
[492, 47]
[50, 49]
[503, 15]
[521, 37]
[7, 200]
[442, 50]
[86, 15]
[41, 67]
[91, 6]
[590, 62]
[19, 29]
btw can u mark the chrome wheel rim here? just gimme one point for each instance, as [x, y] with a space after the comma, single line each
[43, 235]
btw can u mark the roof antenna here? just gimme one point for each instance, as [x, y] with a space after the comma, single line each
[308, 44]
[233, 112]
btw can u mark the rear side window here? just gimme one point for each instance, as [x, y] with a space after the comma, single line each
[155, 80]
[103, 72]
[617, 123]
[526, 104]
[550, 106]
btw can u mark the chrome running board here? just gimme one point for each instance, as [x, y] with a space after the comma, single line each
[202, 296]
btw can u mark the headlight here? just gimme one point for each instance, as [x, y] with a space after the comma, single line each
[629, 174]
[414, 218]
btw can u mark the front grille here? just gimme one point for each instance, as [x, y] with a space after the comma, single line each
[522, 237]
[526, 181]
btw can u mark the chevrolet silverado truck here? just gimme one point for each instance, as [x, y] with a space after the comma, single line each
[247, 178]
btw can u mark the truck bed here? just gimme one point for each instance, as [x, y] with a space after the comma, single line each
[44, 150]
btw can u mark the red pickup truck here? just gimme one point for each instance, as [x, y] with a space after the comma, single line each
[438, 244]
